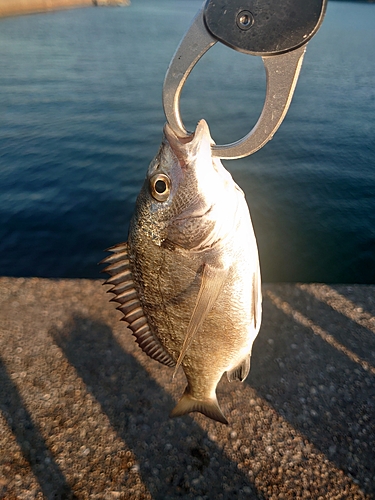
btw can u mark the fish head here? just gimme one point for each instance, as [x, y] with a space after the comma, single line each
[188, 194]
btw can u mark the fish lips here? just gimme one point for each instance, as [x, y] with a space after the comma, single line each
[188, 148]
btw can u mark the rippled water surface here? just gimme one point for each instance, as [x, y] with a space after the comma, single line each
[81, 117]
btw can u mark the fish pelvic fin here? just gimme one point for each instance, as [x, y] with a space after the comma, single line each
[126, 295]
[209, 407]
[241, 371]
[212, 282]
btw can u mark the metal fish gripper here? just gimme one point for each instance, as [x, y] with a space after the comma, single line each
[276, 31]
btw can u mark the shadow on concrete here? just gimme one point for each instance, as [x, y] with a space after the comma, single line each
[324, 394]
[176, 458]
[33, 447]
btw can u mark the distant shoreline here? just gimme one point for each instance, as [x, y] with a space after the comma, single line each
[10, 8]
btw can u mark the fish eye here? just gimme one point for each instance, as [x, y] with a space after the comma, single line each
[160, 187]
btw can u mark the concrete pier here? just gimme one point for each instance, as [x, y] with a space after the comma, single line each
[84, 412]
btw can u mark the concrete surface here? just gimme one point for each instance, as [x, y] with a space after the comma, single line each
[84, 413]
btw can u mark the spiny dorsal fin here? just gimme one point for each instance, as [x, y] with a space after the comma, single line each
[129, 304]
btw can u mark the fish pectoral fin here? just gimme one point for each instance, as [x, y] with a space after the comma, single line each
[209, 407]
[212, 282]
[241, 371]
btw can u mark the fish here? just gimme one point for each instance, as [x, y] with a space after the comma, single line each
[187, 279]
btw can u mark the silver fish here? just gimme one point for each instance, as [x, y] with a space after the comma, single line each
[188, 279]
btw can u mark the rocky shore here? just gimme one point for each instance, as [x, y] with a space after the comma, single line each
[84, 413]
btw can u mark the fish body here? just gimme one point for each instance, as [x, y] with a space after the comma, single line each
[191, 269]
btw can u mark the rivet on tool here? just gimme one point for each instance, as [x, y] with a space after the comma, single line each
[245, 20]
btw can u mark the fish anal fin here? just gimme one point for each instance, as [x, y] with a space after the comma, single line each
[212, 282]
[241, 371]
[209, 407]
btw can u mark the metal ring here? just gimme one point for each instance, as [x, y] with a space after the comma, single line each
[282, 73]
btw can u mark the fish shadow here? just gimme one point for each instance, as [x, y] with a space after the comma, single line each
[31, 443]
[175, 458]
[321, 391]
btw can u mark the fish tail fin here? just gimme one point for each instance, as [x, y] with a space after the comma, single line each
[209, 407]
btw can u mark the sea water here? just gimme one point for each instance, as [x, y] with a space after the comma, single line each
[81, 117]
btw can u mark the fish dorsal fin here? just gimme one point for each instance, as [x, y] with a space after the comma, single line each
[121, 279]
[212, 281]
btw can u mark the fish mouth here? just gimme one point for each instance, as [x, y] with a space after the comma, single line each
[193, 141]
[172, 138]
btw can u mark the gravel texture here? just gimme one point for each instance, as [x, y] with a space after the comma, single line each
[84, 413]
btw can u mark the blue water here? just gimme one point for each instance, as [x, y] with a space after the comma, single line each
[81, 118]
